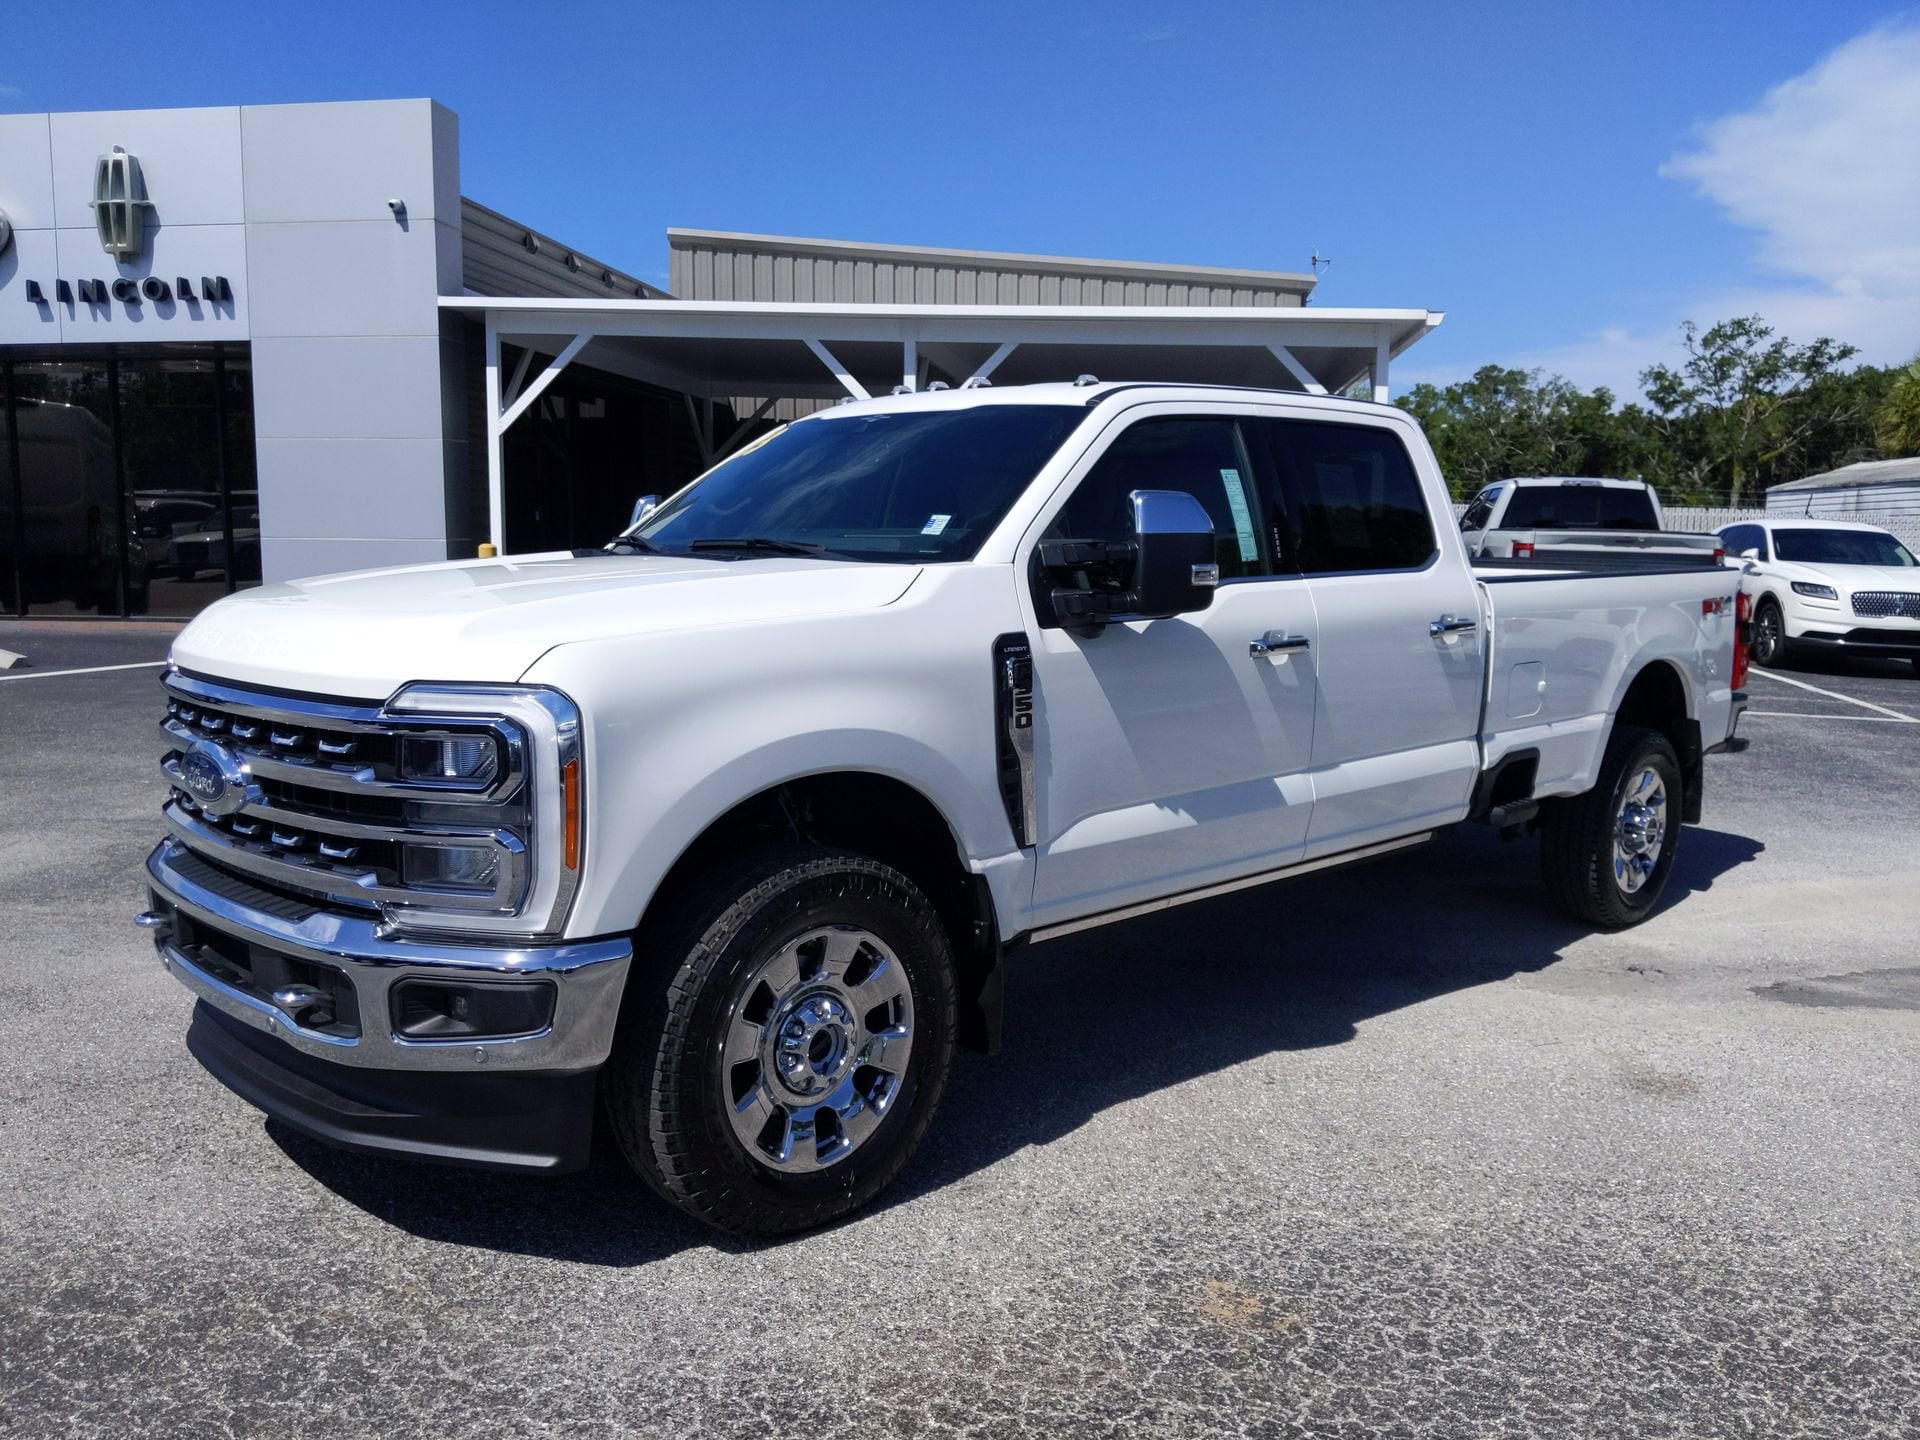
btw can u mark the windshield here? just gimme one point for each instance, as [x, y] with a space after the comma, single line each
[900, 486]
[1579, 507]
[1841, 547]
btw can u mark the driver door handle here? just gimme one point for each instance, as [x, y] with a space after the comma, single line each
[1278, 642]
[1450, 625]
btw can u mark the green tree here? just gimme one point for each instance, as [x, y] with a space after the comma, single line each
[1505, 422]
[1896, 420]
[1743, 401]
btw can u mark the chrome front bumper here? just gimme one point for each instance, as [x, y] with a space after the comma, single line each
[587, 976]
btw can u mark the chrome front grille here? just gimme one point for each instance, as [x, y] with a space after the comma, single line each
[325, 799]
[1880, 604]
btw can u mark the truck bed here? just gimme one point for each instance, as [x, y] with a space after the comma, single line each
[1557, 668]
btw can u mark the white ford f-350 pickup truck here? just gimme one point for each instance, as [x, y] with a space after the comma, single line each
[729, 825]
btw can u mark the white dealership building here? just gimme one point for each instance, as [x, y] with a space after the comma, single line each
[278, 340]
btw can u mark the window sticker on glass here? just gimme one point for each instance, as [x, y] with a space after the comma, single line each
[1242, 516]
[935, 524]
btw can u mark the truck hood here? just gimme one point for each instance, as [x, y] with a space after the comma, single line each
[363, 635]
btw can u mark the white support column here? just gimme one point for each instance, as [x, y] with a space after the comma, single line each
[993, 361]
[1297, 370]
[496, 492]
[840, 372]
[909, 364]
[1381, 346]
[545, 378]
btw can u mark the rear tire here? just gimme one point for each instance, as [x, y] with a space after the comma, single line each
[1606, 855]
[1770, 645]
[788, 1056]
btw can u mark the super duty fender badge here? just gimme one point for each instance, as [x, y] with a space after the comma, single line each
[1013, 732]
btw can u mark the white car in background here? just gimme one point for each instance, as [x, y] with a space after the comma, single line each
[1827, 585]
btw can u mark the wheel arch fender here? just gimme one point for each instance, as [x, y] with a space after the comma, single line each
[887, 796]
[1660, 696]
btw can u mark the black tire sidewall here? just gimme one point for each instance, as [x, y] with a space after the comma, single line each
[1778, 656]
[697, 1143]
[1653, 750]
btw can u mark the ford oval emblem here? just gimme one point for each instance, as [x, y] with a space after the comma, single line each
[215, 777]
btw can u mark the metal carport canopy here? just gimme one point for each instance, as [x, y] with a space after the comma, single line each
[714, 349]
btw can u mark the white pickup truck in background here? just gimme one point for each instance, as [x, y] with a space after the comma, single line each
[731, 823]
[1577, 519]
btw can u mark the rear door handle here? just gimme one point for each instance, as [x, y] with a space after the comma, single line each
[1278, 642]
[1450, 625]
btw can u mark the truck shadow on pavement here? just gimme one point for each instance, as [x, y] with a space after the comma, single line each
[1093, 1021]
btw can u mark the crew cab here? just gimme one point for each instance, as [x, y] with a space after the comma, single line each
[1826, 586]
[1579, 517]
[732, 824]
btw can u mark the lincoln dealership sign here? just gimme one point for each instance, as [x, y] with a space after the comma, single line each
[120, 210]
[120, 202]
[212, 290]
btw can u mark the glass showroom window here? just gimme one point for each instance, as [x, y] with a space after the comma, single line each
[127, 482]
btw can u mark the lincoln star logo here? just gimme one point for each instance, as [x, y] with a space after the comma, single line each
[215, 777]
[120, 202]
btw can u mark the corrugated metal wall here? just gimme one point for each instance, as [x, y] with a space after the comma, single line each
[712, 265]
[496, 260]
[1851, 502]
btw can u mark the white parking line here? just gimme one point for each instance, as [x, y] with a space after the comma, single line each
[1850, 719]
[88, 670]
[1836, 695]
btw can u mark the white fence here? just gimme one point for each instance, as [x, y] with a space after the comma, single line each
[1704, 519]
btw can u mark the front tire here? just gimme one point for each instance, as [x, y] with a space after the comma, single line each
[1769, 649]
[1606, 855]
[795, 1044]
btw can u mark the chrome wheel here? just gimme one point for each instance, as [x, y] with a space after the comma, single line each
[1640, 830]
[816, 1048]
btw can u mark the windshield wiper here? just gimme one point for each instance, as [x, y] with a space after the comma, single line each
[632, 545]
[766, 544]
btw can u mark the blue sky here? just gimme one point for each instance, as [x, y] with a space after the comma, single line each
[1567, 181]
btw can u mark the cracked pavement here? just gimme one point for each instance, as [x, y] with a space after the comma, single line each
[1384, 1152]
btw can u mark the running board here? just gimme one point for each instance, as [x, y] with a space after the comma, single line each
[1226, 887]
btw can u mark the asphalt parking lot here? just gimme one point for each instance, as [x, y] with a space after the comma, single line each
[1392, 1151]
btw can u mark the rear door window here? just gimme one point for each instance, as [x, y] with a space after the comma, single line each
[1351, 495]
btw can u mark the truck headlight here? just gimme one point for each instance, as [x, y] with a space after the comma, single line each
[471, 868]
[1815, 592]
[433, 758]
[498, 773]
